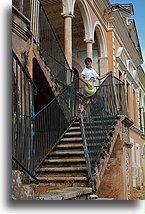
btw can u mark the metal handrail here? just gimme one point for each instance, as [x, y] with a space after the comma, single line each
[103, 104]
[23, 90]
[50, 124]
[31, 133]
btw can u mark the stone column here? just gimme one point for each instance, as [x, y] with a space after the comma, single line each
[89, 44]
[68, 42]
[68, 37]
[35, 19]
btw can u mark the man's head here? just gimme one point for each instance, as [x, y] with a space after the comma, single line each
[88, 62]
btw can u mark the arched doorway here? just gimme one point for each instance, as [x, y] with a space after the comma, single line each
[44, 92]
[99, 49]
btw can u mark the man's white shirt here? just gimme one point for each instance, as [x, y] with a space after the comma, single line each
[89, 73]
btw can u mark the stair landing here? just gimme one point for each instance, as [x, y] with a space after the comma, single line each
[69, 193]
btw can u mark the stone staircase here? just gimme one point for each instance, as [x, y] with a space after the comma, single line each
[65, 165]
[64, 170]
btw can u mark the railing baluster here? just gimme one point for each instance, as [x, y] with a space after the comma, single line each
[105, 102]
[21, 115]
[55, 118]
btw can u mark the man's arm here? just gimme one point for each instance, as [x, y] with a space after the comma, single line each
[81, 76]
[103, 76]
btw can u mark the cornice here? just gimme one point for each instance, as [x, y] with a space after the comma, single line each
[137, 130]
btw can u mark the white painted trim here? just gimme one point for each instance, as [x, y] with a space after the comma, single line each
[67, 7]
[120, 57]
[101, 37]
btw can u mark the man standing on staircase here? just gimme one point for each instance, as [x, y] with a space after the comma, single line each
[89, 76]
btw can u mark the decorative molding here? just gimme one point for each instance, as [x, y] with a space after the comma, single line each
[68, 14]
[21, 32]
[137, 130]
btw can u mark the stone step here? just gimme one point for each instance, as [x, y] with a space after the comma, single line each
[97, 127]
[71, 139]
[76, 123]
[98, 132]
[78, 145]
[74, 128]
[103, 199]
[61, 169]
[69, 193]
[96, 138]
[67, 153]
[99, 122]
[64, 160]
[61, 179]
[62, 173]
[105, 117]
[72, 133]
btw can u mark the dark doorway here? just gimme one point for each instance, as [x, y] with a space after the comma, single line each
[44, 91]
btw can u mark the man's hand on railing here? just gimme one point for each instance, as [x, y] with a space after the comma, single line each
[109, 72]
[104, 75]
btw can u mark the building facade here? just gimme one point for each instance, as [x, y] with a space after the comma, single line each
[87, 28]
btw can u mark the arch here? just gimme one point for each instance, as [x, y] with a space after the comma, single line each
[101, 37]
[68, 8]
[84, 10]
